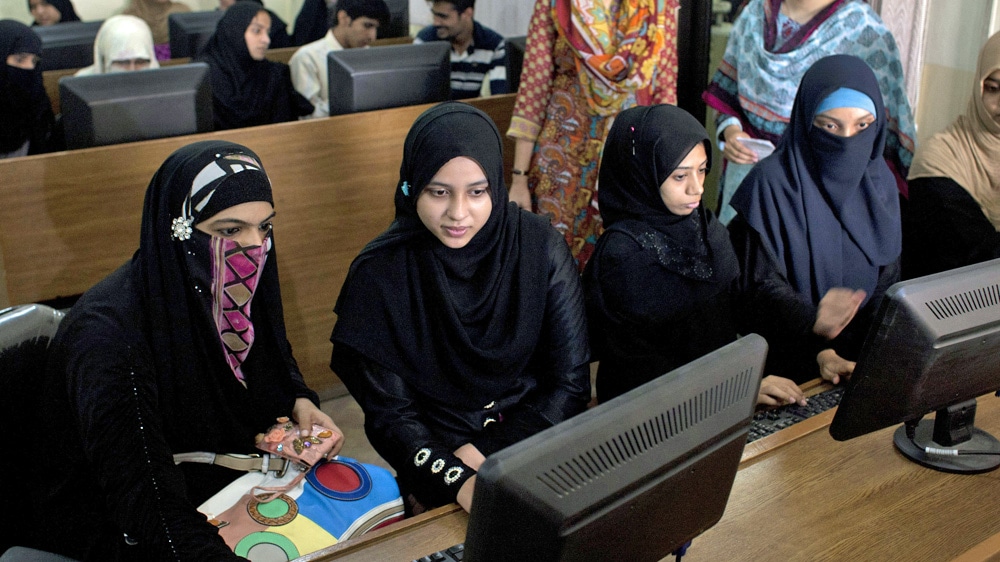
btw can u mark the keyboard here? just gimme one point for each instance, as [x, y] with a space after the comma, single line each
[453, 554]
[769, 421]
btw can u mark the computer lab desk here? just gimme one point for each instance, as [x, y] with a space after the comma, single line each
[799, 495]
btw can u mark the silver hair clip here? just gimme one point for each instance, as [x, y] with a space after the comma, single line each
[180, 229]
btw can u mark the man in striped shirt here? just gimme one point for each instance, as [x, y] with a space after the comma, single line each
[478, 54]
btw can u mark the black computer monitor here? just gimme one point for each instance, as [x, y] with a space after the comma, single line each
[390, 76]
[190, 31]
[934, 347]
[131, 106]
[399, 20]
[515, 61]
[67, 45]
[632, 479]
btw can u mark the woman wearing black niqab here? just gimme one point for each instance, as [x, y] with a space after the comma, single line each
[248, 89]
[457, 347]
[662, 284]
[818, 227]
[182, 349]
[26, 117]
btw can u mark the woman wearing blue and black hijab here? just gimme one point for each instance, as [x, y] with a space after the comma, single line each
[182, 349]
[818, 229]
[460, 329]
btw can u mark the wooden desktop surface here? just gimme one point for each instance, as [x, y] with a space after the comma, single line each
[807, 498]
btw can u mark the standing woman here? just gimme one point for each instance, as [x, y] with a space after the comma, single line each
[585, 61]
[26, 117]
[952, 217]
[662, 285]
[166, 356]
[155, 14]
[123, 44]
[51, 12]
[772, 44]
[248, 89]
[817, 229]
[460, 329]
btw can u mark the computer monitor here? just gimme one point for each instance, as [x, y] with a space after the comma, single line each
[515, 60]
[390, 76]
[131, 106]
[67, 45]
[190, 31]
[632, 479]
[399, 20]
[934, 347]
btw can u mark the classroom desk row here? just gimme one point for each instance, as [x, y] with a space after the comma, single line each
[798, 496]
[69, 219]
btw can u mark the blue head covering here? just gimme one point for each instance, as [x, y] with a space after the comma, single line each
[846, 97]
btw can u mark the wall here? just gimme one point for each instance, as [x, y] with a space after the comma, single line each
[101, 9]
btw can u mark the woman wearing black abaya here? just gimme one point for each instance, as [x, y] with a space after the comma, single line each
[248, 89]
[25, 110]
[662, 283]
[165, 356]
[461, 328]
[51, 12]
[818, 227]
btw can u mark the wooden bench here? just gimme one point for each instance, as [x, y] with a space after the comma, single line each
[70, 218]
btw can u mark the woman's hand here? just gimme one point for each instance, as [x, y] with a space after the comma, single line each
[472, 458]
[836, 310]
[778, 391]
[733, 149]
[305, 413]
[832, 366]
[519, 193]
[464, 498]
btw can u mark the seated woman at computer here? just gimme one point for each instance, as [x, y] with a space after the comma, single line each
[662, 284]
[952, 217]
[51, 12]
[817, 231]
[155, 14]
[164, 356]
[248, 89]
[25, 109]
[123, 44]
[279, 29]
[461, 328]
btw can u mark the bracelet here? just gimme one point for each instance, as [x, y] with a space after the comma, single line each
[517, 172]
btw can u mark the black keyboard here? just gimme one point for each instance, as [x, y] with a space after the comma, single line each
[769, 421]
[453, 554]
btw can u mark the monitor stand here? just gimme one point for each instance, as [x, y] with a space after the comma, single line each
[952, 430]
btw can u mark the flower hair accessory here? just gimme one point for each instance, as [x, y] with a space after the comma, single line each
[180, 229]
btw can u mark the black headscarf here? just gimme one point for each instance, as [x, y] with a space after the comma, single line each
[247, 92]
[25, 109]
[456, 324]
[66, 11]
[826, 206]
[312, 23]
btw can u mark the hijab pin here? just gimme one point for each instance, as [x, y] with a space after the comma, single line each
[406, 188]
[180, 229]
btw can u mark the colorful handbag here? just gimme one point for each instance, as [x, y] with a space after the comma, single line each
[284, 439]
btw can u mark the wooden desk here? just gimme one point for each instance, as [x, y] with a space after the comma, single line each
[809, 499]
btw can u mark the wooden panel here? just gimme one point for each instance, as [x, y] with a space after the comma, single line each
[70, 218]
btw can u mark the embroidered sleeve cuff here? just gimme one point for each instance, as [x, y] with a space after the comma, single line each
[440, 475]
[521, 128]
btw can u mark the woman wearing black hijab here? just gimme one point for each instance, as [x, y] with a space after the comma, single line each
[165, 356]
[25, 113]
[51, 12]
[461, 328]
[818, 231]
[663, 280]
[247, 88]
[312, 23]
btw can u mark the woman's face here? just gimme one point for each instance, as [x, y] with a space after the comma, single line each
[44, 13]
[456, 203]
[247, 223]
[256, 35]
[844, 121]
[991, 94]
[25, 61]
[128, 65]
[681, 191]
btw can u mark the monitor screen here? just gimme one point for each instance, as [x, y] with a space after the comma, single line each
[390, 76]
[132, 106]
[632, 479]
[515, 60]
[399, 20]
[934, 347]
[67, 45]
[190, 31]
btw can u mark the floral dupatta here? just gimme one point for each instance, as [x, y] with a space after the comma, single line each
[614, 58]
